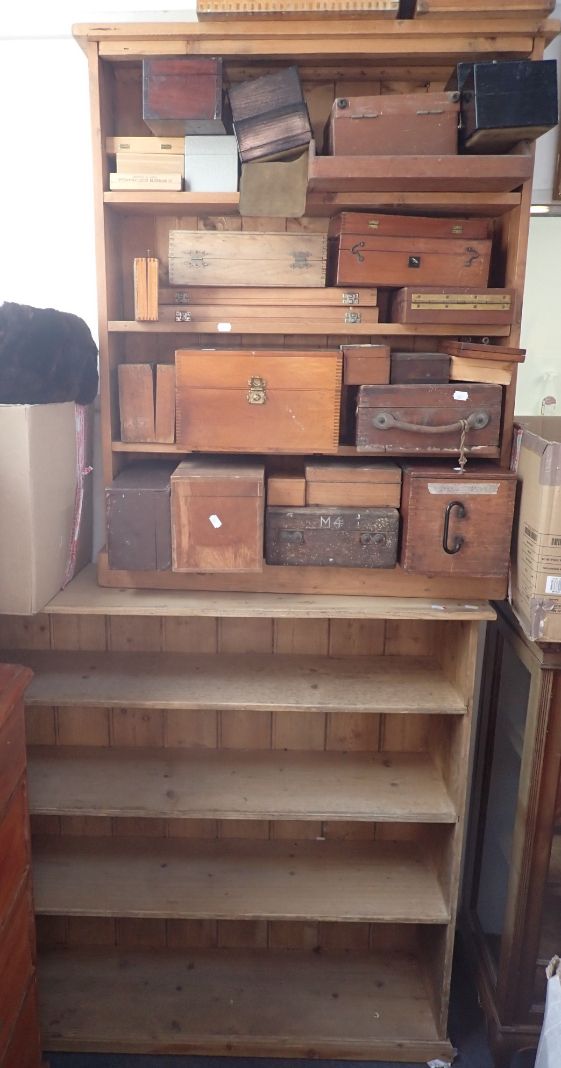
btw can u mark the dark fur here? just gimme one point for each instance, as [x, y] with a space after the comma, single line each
[46, 357]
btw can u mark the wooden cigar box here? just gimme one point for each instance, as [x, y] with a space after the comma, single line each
[473, 350]
[266, 318]
[503, 103]
[351, 484]
[313, 296]
[454, 304]
[260, 400]
[270, 115]
[150, 163]
[419, 367]
[240, 258]
[145, 182]
[410, 255]
[217, 516]
[366, 365]
[138, 517]
[167, 146]
[147, 402]
[456, 524]
[396, 124]
[211, 164]
[286, 490]
[428, 419]
[332, 537]
[183, 95]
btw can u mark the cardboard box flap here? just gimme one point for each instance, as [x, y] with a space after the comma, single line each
[542, 435]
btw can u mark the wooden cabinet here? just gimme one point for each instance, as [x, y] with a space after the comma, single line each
[512, 919]
[19, 1027]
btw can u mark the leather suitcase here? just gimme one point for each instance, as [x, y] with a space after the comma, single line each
[347, 483]
[504, 103]
[138, 517]
[419, 367]
[270, 115]
[183, 95]
[396, 124]
[258, 400]
[428, 418]
[457, 524]
[234, 258]
[370, 250]
[332, 537]
[217, 516]
[454, 304]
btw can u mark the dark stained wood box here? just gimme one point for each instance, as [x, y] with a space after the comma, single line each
[217, 516]
[457, 524]
[419, 367]
[427, 418]
[395, 251]
[183, 95]
[453, 304]
[138, 517]
[270, 115]
[504, 103]
[396, 124]
[332, 537]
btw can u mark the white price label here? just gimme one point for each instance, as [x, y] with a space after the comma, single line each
[460, 394]
[216, 522]
[223, 328]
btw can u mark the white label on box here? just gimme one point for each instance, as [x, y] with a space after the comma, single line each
[478, 489]
[460, 394]
[223, 328]
[216, 522]
[553, 584]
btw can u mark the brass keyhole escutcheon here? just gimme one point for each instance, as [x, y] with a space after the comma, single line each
[257, 392]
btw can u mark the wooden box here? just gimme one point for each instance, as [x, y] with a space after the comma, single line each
[365, 365]
[503, 103]
[256, 296]
[234, 258]
[258, 400]
[347, 483]
[183, 95]
[147, 402]
[395, 250]
[270, 115]
[457, 524]
[286, 490]
[332, 537]
[138, 517]
[473, 350]
[217, 516]
[419, 367]
[409, 419]
[396, 124]
[454, 304]
[211, 164]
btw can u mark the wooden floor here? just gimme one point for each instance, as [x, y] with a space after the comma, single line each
[261, 1002]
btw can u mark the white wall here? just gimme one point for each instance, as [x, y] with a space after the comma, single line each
[540, 375]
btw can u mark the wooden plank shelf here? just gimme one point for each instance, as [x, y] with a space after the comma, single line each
[236, 879]
[255, 1002]
[83, 596]
[269, 683]
[237, 784]
[421, 174]
[123, 326]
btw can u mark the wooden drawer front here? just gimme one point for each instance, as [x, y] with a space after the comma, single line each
[472, 515]
[12, 755]
[14, 851]
[396, 124]
[16, 965]
[387, 418]
[402, 261]
[217, 517]
[258, 402]
[332, 537]
[24, 1047]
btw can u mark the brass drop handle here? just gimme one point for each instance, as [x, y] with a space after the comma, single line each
[458, 540]
[388, 421]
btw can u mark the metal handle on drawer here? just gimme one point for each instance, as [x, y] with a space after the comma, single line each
[387, 421]
[369, 538]
[295, 537]
[458, 540]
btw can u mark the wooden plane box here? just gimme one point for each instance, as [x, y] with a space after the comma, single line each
[270, 115]
[183, 95]
[347, 483]
[138, 517]
[284, 319]
[258, 400]
[286, 490]
[217, 516]
[413, 418]
[403, 250]
[469, 305]
[503, 103]
[456, 524]
[419, 367]
[275, 296]
[332, 537]
[366, 365]
[242, 258]
[396, 124]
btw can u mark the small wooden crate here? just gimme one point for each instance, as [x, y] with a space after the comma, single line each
[332, 537]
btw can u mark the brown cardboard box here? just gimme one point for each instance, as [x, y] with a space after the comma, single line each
[535, 587]
[38, 495]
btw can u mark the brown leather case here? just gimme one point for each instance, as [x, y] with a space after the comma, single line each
[396, 124]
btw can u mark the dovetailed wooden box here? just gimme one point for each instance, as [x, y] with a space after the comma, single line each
[217, 516]
[258, 400]
[366, 365]
[396, 124]
[230, 258]
[183, 95]
[270, 115]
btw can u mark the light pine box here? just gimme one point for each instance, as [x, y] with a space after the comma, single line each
[211, 164]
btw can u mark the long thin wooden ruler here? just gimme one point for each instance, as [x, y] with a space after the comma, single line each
[299, 8]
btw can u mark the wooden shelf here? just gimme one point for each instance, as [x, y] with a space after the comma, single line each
[237, 784]
[83, 596]
[420, 174]
[236, 879]
[270, 683]
[122, 326]
[257, 1002]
